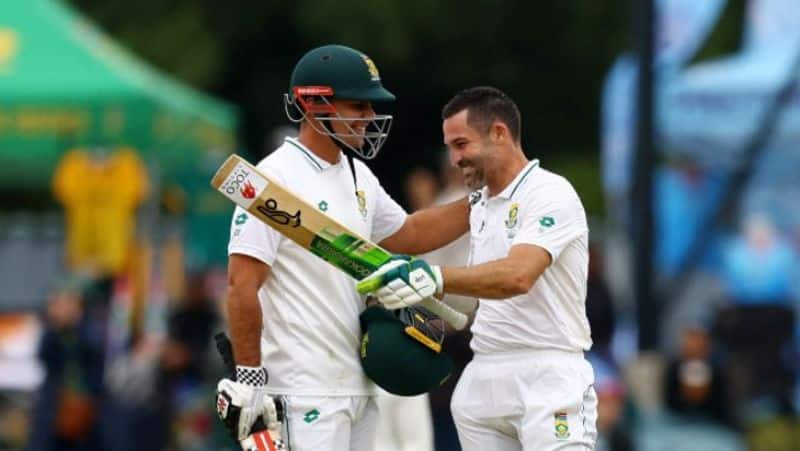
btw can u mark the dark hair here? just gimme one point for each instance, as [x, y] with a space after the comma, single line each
[485, 105]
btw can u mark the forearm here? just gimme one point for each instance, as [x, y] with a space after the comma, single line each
[245, 324]
[496, 279]
[431, 228]
[492, 280]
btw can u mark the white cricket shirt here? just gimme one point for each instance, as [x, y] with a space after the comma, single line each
[541, 208]
[311, 335]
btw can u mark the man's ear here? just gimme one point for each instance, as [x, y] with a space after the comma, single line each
[498, 132]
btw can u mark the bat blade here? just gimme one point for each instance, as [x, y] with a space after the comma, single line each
[309, 227]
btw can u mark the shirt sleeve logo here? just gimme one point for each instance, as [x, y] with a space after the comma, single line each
[547, 222]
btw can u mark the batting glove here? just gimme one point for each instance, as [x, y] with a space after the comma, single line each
[403, 282]
[241, 402]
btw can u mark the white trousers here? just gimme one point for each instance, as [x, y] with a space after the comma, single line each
[404, 423]
[339, 423]
[538, 400]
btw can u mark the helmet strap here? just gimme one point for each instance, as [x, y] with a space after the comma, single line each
[345, 149]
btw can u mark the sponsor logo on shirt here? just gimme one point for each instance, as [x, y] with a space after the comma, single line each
[311, 416]
[546, 222]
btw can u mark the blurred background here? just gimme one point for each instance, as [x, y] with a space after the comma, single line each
[678, 122]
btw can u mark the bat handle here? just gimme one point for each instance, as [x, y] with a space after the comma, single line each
[258, 429]
[368, 285]
[452, 316]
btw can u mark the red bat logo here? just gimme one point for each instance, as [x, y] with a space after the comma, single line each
[248, 191]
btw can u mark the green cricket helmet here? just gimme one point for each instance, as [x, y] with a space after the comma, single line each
[401, 350]
[338, 72]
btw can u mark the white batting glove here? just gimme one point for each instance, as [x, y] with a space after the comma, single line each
[240, 403]
[402, 283]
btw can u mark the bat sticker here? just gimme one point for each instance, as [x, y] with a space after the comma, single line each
[270, 210]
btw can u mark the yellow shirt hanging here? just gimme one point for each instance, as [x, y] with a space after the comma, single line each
[100, 196]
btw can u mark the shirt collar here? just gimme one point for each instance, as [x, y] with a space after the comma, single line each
[509, 190]
[315, 161]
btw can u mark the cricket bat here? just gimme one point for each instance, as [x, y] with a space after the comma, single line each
[309, 227]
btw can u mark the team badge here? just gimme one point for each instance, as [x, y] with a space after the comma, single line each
[512, 220]
[362, 203]
[323, 205]
[561, 425]
[372, 68]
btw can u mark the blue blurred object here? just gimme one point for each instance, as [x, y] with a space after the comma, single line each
[758, 267]
[669, 433]
[685, 196]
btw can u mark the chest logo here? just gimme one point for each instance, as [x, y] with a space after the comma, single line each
[547, 222]
[323, 205]
[512, 220]
[561, 426]
[361, 197]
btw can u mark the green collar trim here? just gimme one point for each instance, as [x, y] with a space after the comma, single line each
[520, 179]
[314, 161]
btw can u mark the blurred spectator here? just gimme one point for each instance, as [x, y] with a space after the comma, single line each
[599, 306]
[757, 324]
[693, 383]
[185, 364]
[457, 252]
[421, 189]
[191, 326]
[685, 197]
[611, 397]
[405, 422]
[613, 431]
[457, 342]
[65, 417]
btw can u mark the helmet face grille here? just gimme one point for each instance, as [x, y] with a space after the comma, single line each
[322, 110]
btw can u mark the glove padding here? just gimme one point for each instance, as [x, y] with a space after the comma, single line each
[239, 405]
[404, 282]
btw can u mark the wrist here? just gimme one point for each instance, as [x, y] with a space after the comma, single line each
[252, 376]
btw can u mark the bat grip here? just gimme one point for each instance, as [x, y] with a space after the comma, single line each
[452, 316]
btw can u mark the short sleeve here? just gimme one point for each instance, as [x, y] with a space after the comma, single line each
[251, 237]
[389, 215]
[553, 220]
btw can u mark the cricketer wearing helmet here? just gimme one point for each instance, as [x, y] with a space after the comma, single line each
[291, 315]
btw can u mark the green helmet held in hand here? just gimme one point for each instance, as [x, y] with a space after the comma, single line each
[339, 72]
